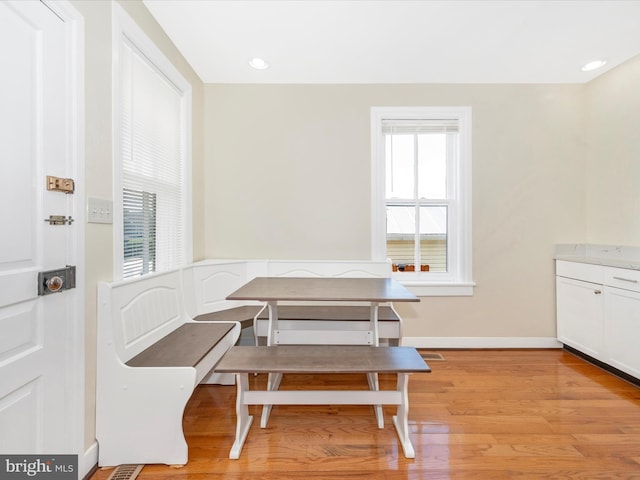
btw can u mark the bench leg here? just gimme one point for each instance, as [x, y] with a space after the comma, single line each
[244, 420]
[273, 322]
[272, 384]
[372, 378]
[401, 420]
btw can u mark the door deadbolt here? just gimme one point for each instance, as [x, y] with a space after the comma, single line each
[54, 281]
[54, 284]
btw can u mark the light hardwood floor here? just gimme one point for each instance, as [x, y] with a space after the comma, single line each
[480, 414]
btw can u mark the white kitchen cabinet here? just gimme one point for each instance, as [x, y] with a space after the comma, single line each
[622, 314]
[580, 318]
[598, 313]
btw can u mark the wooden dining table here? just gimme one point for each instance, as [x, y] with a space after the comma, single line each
[274, 290]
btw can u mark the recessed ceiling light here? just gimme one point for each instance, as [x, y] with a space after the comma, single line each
[593, 65]
[258, 63]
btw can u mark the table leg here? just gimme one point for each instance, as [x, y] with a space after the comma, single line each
[401, 420]
[374, 385]
[272, 384]
[243, 419]
[274, 379]
[373, 377]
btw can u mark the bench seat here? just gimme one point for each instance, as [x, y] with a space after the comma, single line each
[321, 359]
[187, 346]
[311, 359]
[319, 322]
[331, 313]
[244, 315]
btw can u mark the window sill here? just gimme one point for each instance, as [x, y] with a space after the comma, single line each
[438, 289]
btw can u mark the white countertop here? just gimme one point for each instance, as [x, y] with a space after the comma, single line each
[606, 255]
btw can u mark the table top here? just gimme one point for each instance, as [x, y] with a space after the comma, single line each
[269, 289]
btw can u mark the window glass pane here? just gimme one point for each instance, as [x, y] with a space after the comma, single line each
[432, 165]
[401, 227]
[399, 156]
[433, 238]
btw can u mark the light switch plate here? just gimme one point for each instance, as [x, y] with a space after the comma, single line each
[99, 211]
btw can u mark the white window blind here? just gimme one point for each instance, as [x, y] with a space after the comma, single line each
[413, 126]
[152, 166]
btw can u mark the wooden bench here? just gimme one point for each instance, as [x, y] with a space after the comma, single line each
[328, 324]
[322, 359]
[151, 356]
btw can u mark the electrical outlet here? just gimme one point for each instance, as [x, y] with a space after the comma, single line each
[99, 211]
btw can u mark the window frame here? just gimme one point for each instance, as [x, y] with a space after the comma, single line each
[126, 32]
[458, 279]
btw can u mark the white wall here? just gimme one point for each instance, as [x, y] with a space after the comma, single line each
[613, 156]
[287, 175]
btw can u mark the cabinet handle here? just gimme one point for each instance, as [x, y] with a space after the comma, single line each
[625, 279]
[597, 292]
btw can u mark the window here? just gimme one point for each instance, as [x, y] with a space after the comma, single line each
[152, 108]
[421, 177]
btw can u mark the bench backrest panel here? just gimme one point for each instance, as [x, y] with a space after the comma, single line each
[142, 311]
[209, 283]
[148, 312]
[352, 269]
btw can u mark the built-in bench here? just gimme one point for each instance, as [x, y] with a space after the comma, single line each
[327, 323]
[322, 359]
[155, 344]
[151, 356]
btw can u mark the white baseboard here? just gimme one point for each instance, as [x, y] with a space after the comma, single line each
[481, 342]
[89, 461]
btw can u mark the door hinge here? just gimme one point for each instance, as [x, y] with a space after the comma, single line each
[54, 281]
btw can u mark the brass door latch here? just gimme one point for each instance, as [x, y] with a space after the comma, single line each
[59, 220]
[58, 184]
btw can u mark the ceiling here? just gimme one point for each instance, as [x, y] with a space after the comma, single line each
[398, 41]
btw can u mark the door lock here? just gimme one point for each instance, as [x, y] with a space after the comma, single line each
[54, 281]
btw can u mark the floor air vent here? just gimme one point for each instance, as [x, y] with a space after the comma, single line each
[125, 472]
[432, 356]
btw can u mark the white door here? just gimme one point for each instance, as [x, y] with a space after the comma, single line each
[38, 360]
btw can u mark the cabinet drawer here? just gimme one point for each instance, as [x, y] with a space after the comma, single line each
[622, 278]
[580, 271]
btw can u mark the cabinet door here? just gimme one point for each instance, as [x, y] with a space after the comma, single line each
[579, 314]
[622, 329]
